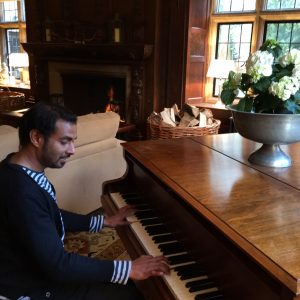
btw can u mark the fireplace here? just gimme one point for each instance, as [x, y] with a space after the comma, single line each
[85, 88]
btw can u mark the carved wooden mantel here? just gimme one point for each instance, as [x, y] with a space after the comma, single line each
[87, 52]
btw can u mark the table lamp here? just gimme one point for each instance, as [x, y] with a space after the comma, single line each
[20, 61]
[219, 69]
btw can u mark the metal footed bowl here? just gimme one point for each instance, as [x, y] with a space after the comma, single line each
[272, 130]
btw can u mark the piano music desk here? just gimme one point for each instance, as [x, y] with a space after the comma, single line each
[243, 221]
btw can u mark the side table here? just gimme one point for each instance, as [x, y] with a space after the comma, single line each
[12, 118]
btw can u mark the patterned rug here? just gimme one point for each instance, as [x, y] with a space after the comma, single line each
[103, 245]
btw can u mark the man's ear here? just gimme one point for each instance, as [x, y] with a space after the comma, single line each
[36, 138]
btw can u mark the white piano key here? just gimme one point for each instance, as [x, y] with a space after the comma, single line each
[174, 282]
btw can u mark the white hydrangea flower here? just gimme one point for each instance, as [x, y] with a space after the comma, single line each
[291, 57]
[296, 71]
[259, 64]
[285, 87]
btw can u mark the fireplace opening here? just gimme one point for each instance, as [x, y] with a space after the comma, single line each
[85, 93]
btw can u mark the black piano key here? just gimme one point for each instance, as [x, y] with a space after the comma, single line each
[163, 238]
[156, 229]
[145, 214]
[152, 221]
[195, 282]
[171, 248]
[141, 206]
[192, 274]
[210, 296]
[129, 194]
[189, 271]
[135, 201]
[205, 284]
[193, 266]
[179, 259]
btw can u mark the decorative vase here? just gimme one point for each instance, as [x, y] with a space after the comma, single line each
[272, 130]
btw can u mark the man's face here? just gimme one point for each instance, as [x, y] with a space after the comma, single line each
[59, 146]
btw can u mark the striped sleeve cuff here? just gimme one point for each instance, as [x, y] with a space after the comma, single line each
[122, 270]
[96, 223]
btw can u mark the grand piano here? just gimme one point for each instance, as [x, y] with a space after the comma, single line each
[231, 230]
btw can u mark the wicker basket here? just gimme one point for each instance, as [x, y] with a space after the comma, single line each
[161, 131]
[11, 101]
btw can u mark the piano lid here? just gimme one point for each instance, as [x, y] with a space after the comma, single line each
[260, 213]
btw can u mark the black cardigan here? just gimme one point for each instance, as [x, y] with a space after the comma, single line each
[32, 256]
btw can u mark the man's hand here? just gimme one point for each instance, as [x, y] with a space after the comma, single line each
[119, 218]
[147, 266]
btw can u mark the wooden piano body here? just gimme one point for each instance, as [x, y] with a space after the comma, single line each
[240, 221]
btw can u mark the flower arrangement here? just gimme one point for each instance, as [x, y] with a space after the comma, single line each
[271, 83]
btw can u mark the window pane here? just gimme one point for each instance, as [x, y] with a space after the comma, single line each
[273, 4]
[246, 33]
[23, 16]
[233, 51]
[288, 4]
[222, 51]
[235, 5]
[282, 4]
[296, 33]
[223, 5]
[271, 31]
[250, 5]
[288, 34]
[13, 43]
[285, 47]
[10, 11]
[235, 33]
[284, 32]
[244, 51]
[223, 33]
[296, 46]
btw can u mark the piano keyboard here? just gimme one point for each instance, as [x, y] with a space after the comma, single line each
[187, 280]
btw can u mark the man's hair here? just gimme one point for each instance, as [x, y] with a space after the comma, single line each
[43, 117]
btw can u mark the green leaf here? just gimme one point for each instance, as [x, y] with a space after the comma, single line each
[286, 71]
[297, 96]
[245, 104]
[292, 106]
[271, 46]
[262, 85]
[266, 103]
[227, 96]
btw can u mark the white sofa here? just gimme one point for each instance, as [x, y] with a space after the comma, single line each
[98, 158]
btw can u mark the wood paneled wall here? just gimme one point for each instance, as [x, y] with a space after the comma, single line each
[177, 30]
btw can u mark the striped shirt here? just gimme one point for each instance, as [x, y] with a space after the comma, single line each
[121, 268]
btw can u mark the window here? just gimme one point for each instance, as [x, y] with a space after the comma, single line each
[239, 27]
[12, 34]
[233, 43]
[10, 11]
[13, 40]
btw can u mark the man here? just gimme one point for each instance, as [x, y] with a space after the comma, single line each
[33, 262]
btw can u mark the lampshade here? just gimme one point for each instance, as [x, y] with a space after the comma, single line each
[19, 60]
[220, 68]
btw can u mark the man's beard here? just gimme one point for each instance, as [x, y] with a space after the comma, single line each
[47, 161]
